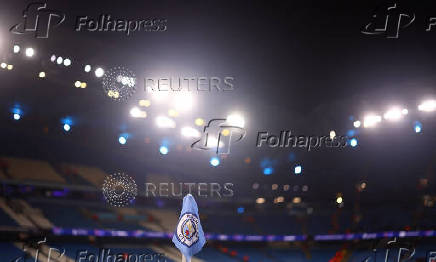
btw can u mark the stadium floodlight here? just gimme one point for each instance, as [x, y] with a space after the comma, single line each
[417, 126]
[214, 161]
[298, 169]
[190, 132]
[77, 84]
[165, 122]
[393, 114]
[67, 62]
[427, 106]
[144, 102]
[137, 113]
[41, 74]
[59, 60]
[122, 140]
[67, 127]
[199, 121]
[87, 68]
[53, 58]
[17, 116]
[235, 120]
[83, 85]
[99, 72]
[371, 120]
[404, 111]
[163, 150]
[3, 65]
[10, 67]
[16, 49]
[339, 200]
[356, 124]
[332, 134]
[183, 101]
[353, 142]
[268, 171]
[260, 200]
[30, 52]
[296, 200]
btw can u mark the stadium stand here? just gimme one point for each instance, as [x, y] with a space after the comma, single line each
[26, 169]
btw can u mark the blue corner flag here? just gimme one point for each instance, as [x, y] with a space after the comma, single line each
[189, 236]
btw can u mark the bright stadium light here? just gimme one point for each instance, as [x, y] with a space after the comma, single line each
[59, 60]
[122, 140]
[356, 124]
[427, 106]
[144, 102]
[165, 122]
[137, 113]
[83, 85]
[371, 120]
[183, 101]
[41, 74]
[67, 127]
[17, 116]
[30, 52]
[332, 134]
[417, 127]
[10, 67]
[163, 150]
[67, 62]
[199, 121]
[77, 84]
[353, 142]
[260, 200]
[268, 171]
[16, 49]
[339, 200]
[53, 58]
[99, 72]
[235, 120]
[298, 169]
[393, 114]
[296, 200]
[190, 132]
[87, 68]
[405, 111]
[214, 161]
[3, 65]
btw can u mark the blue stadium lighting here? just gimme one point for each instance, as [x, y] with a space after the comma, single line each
[268, 171]
[298, 169]
[353, 142]
[17, 116]
[122, 140]
[214, 161]
[163, 150]
[67, 127]
[418, 127]
[241, 210]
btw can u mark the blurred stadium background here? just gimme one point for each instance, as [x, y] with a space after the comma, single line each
[61, 133]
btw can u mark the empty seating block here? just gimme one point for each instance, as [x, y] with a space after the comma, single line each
[26, 169]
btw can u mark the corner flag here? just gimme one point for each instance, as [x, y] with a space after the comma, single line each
[189, 236]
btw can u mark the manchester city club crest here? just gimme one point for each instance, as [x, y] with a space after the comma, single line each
[187, 229]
